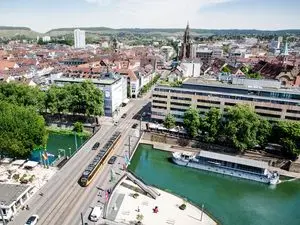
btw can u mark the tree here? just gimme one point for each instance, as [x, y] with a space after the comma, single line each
[287, 134]
[225, 69]
[169, 121]
[211, 124]
[192, 121]
[242, 126]
[263, 132]
[78, 127]
[21, 130]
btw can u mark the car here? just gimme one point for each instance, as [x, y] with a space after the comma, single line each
[32, 220]
[124, 115]
[96, 146]
[134, 125]
[112, 160]
[96, 214]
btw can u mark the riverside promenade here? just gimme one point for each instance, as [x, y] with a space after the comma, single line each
[130, 202]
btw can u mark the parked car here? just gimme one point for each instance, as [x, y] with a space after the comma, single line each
[124, 115]
[96, 146]
[112, 160]
[134, 125]
[32, 220]
[96, 214]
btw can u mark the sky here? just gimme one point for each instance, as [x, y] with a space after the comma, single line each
[43, 15]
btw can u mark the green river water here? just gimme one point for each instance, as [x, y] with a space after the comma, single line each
[230, 200]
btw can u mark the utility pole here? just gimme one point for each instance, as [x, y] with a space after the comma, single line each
[202, 208]
[81, 218]
[129, 146]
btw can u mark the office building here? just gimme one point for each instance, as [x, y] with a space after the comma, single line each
[79, 38]
[270, 103]
[113, 85]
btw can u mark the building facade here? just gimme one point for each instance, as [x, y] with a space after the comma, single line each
[113, 85]
[272, 104]
[79, 38]
[12, 198]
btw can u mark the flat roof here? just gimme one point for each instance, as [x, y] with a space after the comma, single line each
[234, 159]
[11, 192]
[227, 93]
[216, 83]
[108, 81]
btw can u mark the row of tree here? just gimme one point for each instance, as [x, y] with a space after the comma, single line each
[148, 86]
[23, 129]
[240, 127]
[84, 98]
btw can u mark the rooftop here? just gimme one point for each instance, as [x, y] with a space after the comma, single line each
[11, 192]
[234, 159]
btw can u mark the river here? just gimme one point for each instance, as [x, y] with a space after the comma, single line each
[230, 200]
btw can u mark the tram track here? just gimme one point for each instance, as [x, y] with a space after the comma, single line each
[59, 213]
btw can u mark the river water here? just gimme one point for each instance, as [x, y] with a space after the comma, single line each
[56, 141]
[230, 200]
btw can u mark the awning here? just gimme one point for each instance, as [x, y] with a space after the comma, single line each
[18, 162]
[31, 164]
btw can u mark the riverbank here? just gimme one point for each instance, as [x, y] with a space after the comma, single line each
[64, 131]
[230, 200]
[129, 203]
[172, 148]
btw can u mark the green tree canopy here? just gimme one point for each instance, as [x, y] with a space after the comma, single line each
[211, 124]
[192, 121]
[169, 121]
[242, 126]
[287, 133]
[21, 130]
[78, 127]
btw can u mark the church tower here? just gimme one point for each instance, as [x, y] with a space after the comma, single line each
[186, 46]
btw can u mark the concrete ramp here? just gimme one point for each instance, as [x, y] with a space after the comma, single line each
[153, 193]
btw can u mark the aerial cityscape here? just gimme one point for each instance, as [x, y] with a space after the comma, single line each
[142, 112]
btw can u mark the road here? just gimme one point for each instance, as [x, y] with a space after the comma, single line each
[63, 199]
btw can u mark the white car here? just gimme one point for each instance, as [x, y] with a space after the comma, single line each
[32, 220]
[96, 214]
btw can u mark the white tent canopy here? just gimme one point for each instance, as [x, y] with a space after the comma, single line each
[31, 164]
[19, 162]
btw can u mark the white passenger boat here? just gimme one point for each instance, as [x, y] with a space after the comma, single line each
[227, 165]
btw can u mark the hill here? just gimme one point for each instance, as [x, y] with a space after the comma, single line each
[11, 32]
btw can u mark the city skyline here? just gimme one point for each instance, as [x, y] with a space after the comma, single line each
[43, 15]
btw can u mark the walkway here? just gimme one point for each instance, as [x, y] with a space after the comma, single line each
[127, 210]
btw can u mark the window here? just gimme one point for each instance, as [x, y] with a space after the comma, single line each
[292, 118]
[209, 101]
[268, 108]
[230, 104]
[159, 96]
[293, 111]
[158, 107]
[160, 102]
[179, 110]
[268, 115]
[181, 98]
[180, 104]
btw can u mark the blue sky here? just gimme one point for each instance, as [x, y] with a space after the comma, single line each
[43, 15]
